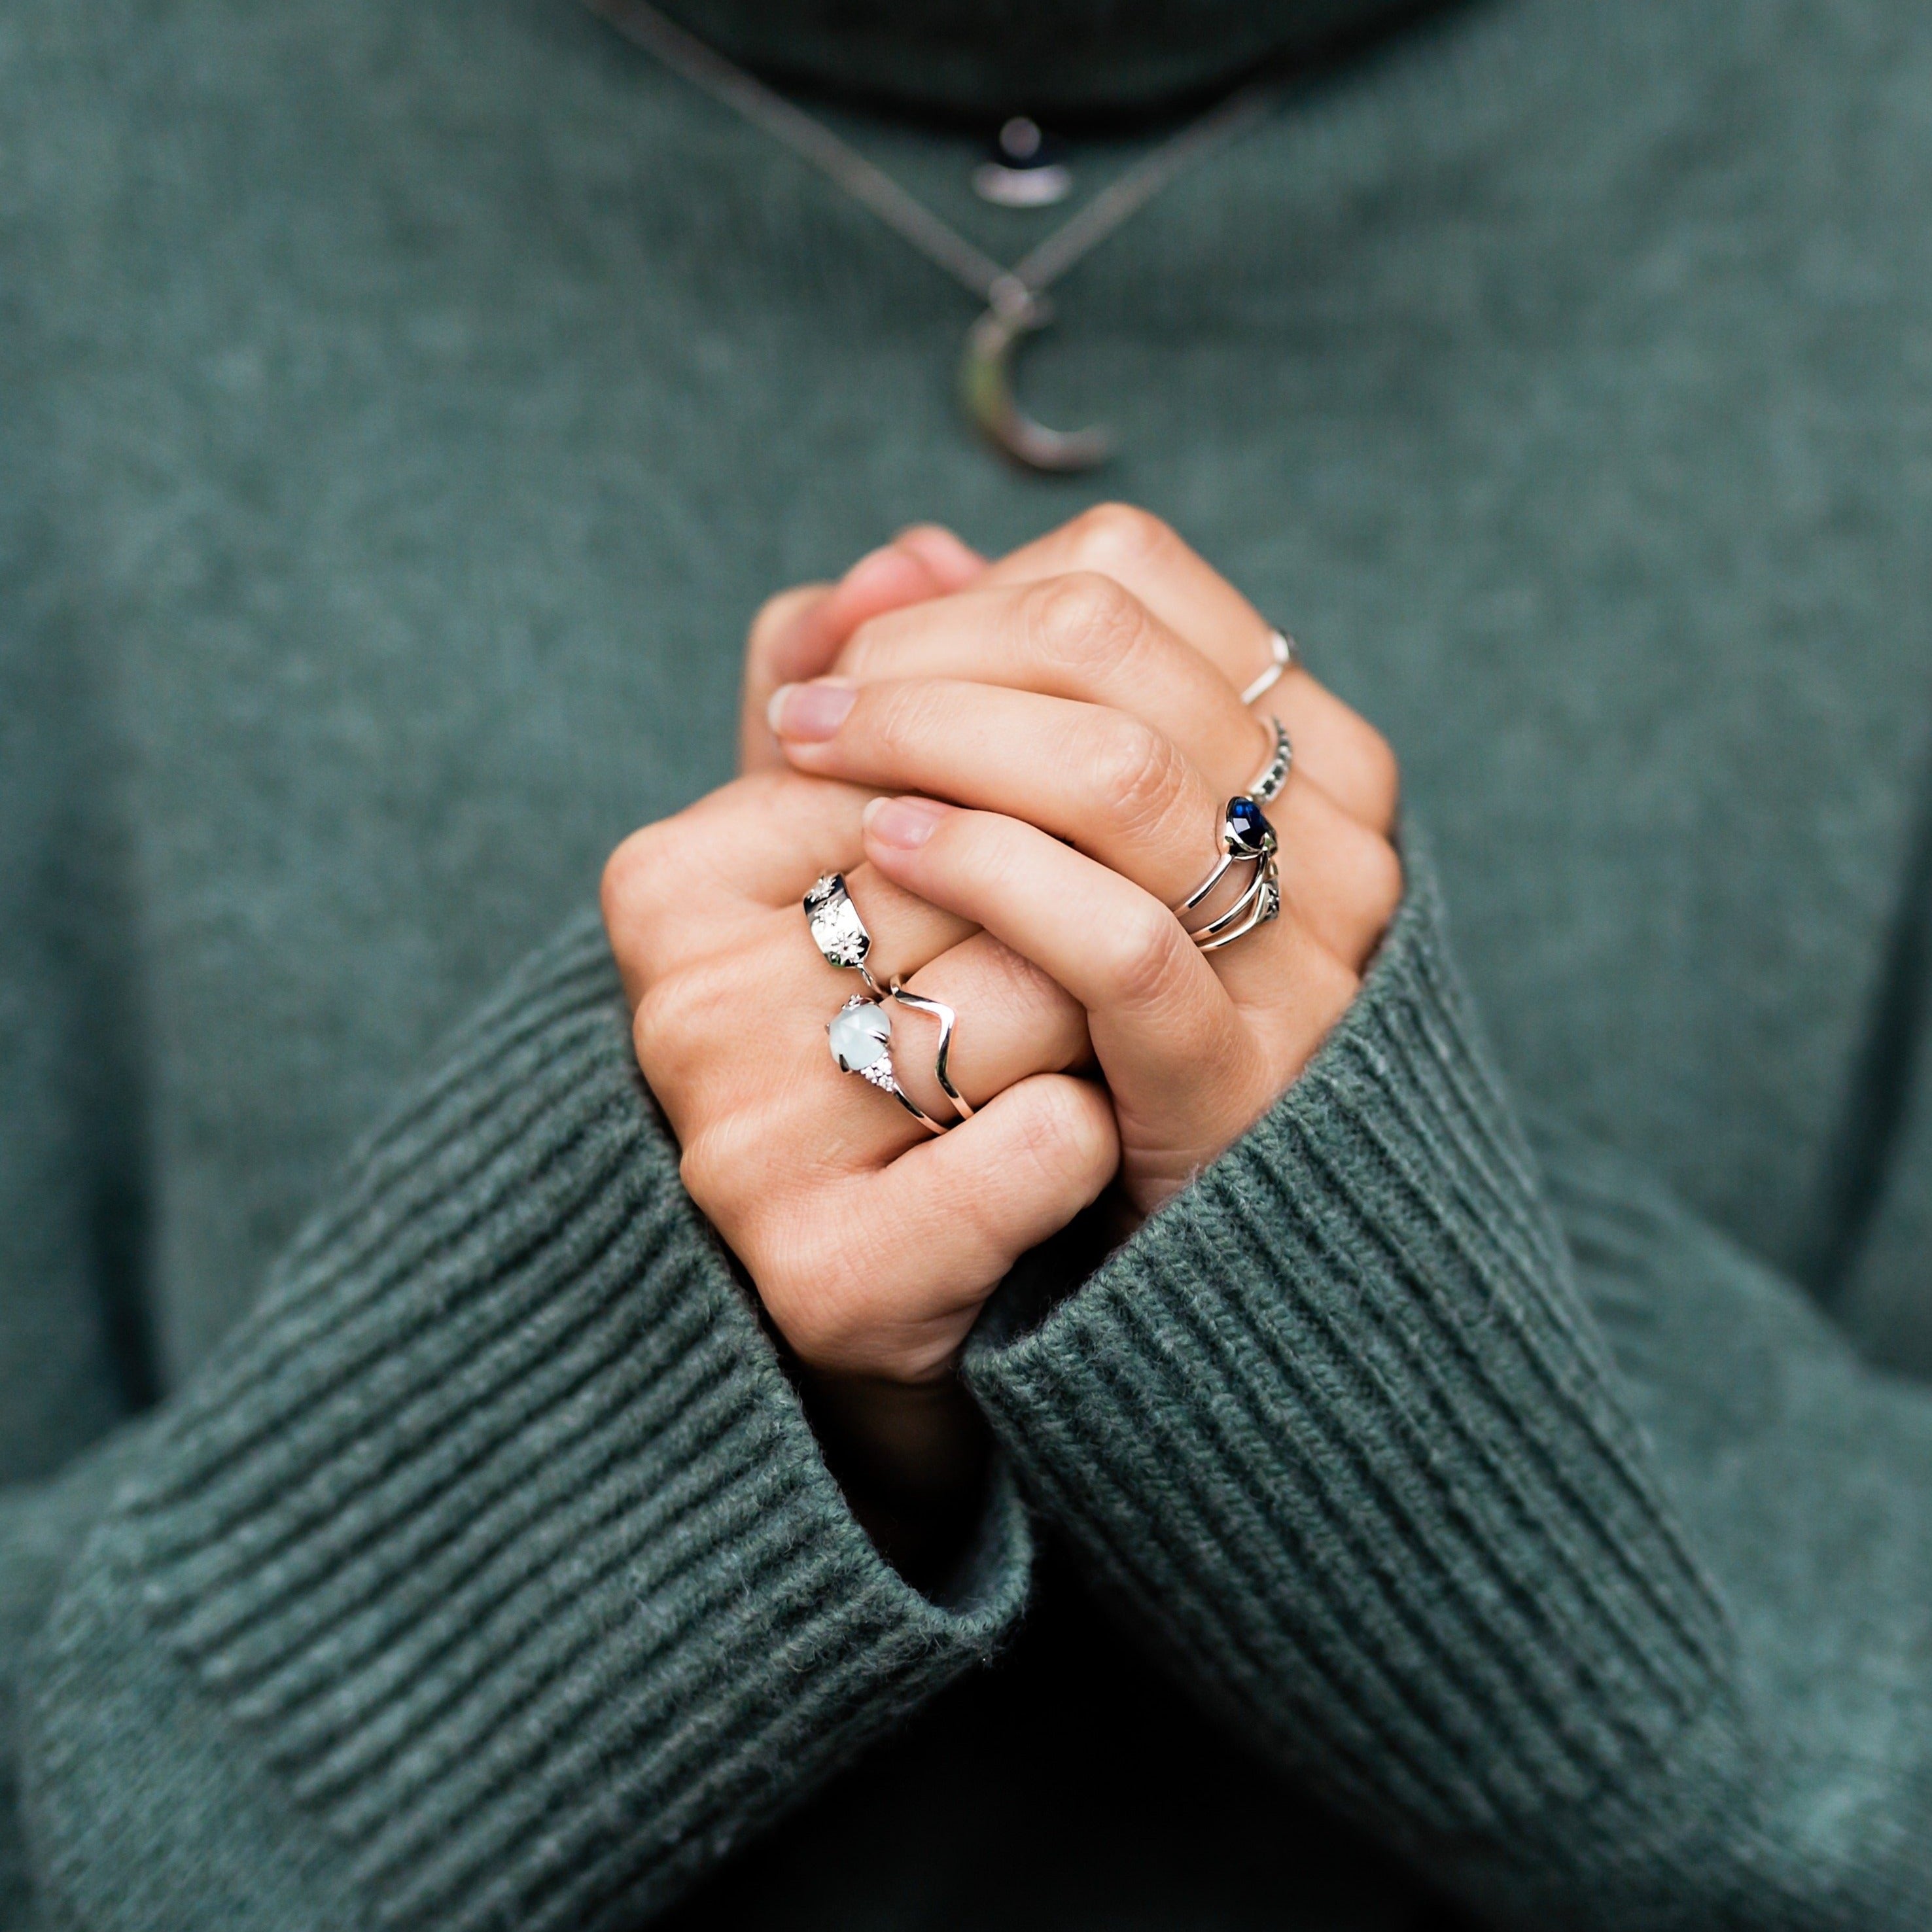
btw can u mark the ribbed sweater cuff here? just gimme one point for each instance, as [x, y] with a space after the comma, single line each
[1337, 1429]
[490, 1575]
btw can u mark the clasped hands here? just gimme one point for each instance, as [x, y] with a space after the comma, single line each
[1020, 768]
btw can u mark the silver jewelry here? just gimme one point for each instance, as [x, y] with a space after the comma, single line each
[1266, 906]
[1274, 774]
[1246, 838]
[1015, 297]
[861, 1035]
[949, 1021]
[837, 930]
[1283, 653]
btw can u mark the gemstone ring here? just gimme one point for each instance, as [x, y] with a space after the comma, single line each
[1246, 838]
[861, 1035]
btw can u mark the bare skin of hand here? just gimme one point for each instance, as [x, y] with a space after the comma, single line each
[1066, 729]
[1021, 768]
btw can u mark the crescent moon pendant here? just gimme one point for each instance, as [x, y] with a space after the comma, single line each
[986, 394]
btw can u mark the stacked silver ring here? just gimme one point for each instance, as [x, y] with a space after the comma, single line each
[860, 1033]
[1246, 838]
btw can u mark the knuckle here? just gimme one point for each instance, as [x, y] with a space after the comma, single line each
[1111, 535]
[771, 612]
[1143, 958]
[672, 1016]
[699, 1168]
[1382, 775]
[633, 885]
[1140, 774]
[1083, 618]
[1376, 774]
[1379, 882]
[1063, 1135]
[901, 722]
[630, 878]
[719, 1164]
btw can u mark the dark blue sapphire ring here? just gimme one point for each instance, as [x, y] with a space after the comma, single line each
[1246, 838]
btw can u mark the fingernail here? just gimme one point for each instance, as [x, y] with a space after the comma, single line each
[906, 823]
[811, 712]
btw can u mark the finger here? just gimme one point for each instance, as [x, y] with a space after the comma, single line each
[945, 1223]
[798, 633]
[1342, 880]
[1170, 1035]
[1080, 637]
[1113, 785]
[658, 874]
[954, 564]
[772, 658]
[1334, 745]
[693, 1022]
[1011, 1020]
[1155, 1009]
[1145, 556]
[750, 849]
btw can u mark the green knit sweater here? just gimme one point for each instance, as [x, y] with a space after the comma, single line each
[408, 1522]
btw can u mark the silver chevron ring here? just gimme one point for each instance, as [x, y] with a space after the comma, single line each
[948, 1021]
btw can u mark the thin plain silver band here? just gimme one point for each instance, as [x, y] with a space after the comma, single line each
[1282, 647]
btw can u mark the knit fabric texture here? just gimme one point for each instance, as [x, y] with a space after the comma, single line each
[491, 1572]
[406, 409]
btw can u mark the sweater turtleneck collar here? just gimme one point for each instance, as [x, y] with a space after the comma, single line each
[1070, 59]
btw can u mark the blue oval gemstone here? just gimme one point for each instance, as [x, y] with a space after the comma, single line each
[1245, 830]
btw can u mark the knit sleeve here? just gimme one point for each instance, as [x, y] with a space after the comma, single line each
[1347, 1434]
[489, 1574]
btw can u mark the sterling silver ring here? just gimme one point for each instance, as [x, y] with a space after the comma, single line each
[1274, 774]
[861, 1035]
[1246, 838]
[837, 930]
[1282, 651]
[948, 1021]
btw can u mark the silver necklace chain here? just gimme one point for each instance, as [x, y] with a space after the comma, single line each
[1014, 297]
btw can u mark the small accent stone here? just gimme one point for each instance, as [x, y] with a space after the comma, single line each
[861, 1035]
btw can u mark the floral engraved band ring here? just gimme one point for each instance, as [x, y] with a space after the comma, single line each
[1246, 838]
[837, 930]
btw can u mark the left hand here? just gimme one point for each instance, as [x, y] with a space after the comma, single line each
[1070, 726]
